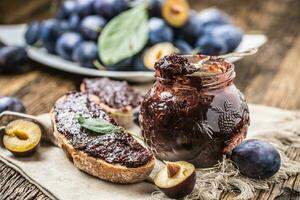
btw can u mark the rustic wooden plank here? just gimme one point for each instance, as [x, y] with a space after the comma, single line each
[19, 12]
[10, 84]
[283, 90]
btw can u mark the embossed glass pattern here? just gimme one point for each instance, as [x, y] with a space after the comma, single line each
[194, 118]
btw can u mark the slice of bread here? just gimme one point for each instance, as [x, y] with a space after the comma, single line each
[123, 115]
[116, 173]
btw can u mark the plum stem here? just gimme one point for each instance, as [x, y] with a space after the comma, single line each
[98, 65]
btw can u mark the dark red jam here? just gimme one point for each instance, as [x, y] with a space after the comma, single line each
[193, 114]
[116, 94]
[117, 148]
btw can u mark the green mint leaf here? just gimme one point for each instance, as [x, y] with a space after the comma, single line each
[98, 125]
[124, 36]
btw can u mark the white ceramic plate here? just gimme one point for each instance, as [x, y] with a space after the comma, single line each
[14, 35]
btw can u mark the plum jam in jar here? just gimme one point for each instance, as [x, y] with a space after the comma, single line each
[193, 112]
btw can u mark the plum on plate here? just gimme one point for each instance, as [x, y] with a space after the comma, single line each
[12, 58]
[156, 52]
[124, 65]
[231, 34]
[8, 103]
[91, 26]
[200, 23]
[155, 8]
[50, 31]
[211, 45]
[84, 7]
[74, 21]
[110, 8]
[183, 47]
[85, 54]
[22, 137]
[213, 16]
[32, 33]
[256, 159]
[64, 26]
[159, 31]
[67, 9]
[66, 44]
[220, 40]
[138, 63]
[191, 30]
[176, 12]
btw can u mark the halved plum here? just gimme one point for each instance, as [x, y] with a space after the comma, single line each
[156, 52]
[176, 12]
[22, 137]
[176, 179]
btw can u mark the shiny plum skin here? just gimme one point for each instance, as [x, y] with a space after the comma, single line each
[8, 103]
[256, 159]
[231, 34]
[213, 16]
[84, 7]
[67, 9]
[85, 54]
[91, 26]
[12, 58]
[211, 45]
[50, 31]
[32, 33]
[64, 26]
[198, 23]
[220, 40]
[74, 22]
[110, 8]
[191, 31]
[124, 65]
[183, 46]
[154, 8]
[159, 31]
[138, 62]
[66, 44]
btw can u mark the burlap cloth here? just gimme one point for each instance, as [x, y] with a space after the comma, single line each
[51, 169]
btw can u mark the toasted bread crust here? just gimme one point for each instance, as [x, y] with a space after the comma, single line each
[123, 117]
[100, 168]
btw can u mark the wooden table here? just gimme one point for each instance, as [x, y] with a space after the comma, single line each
[271, 77]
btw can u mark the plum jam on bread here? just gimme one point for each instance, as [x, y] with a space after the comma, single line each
[116, 157]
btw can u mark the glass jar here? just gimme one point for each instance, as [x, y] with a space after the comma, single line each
[196, 117]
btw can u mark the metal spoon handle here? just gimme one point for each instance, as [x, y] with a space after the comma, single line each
[247, 52]
[239, 54]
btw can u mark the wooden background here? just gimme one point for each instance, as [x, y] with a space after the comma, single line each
[271, 77]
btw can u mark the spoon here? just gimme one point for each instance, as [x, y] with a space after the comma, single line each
[195, 57]
[44, 121]
[248, 52]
